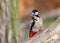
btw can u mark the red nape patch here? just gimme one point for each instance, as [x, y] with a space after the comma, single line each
[32, 34]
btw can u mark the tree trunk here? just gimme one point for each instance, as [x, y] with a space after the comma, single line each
[9, 22]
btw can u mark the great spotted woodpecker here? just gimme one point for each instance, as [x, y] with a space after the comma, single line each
[36, 23]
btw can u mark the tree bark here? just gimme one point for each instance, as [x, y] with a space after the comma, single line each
[9, 22]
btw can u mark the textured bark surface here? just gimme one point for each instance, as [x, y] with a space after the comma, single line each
[9, 22]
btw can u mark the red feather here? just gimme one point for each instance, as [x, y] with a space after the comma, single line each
[32, 34]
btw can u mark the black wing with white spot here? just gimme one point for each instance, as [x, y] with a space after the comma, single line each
[32, 24]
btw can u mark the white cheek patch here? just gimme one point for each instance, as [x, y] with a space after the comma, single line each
[36, 13]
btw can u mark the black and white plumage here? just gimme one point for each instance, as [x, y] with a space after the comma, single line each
[34, 13]
[36, 21]
[32, 23]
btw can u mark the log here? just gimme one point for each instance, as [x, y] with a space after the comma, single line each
[50, 35]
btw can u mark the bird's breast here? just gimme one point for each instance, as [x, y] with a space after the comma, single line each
[37, 25]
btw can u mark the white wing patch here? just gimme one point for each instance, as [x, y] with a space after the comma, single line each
[31, 22]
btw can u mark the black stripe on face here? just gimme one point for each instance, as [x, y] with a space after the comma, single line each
[37, 16]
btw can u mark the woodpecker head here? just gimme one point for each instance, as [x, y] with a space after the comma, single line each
[35, 13]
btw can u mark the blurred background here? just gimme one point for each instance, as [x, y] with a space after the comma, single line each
[49, 10]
